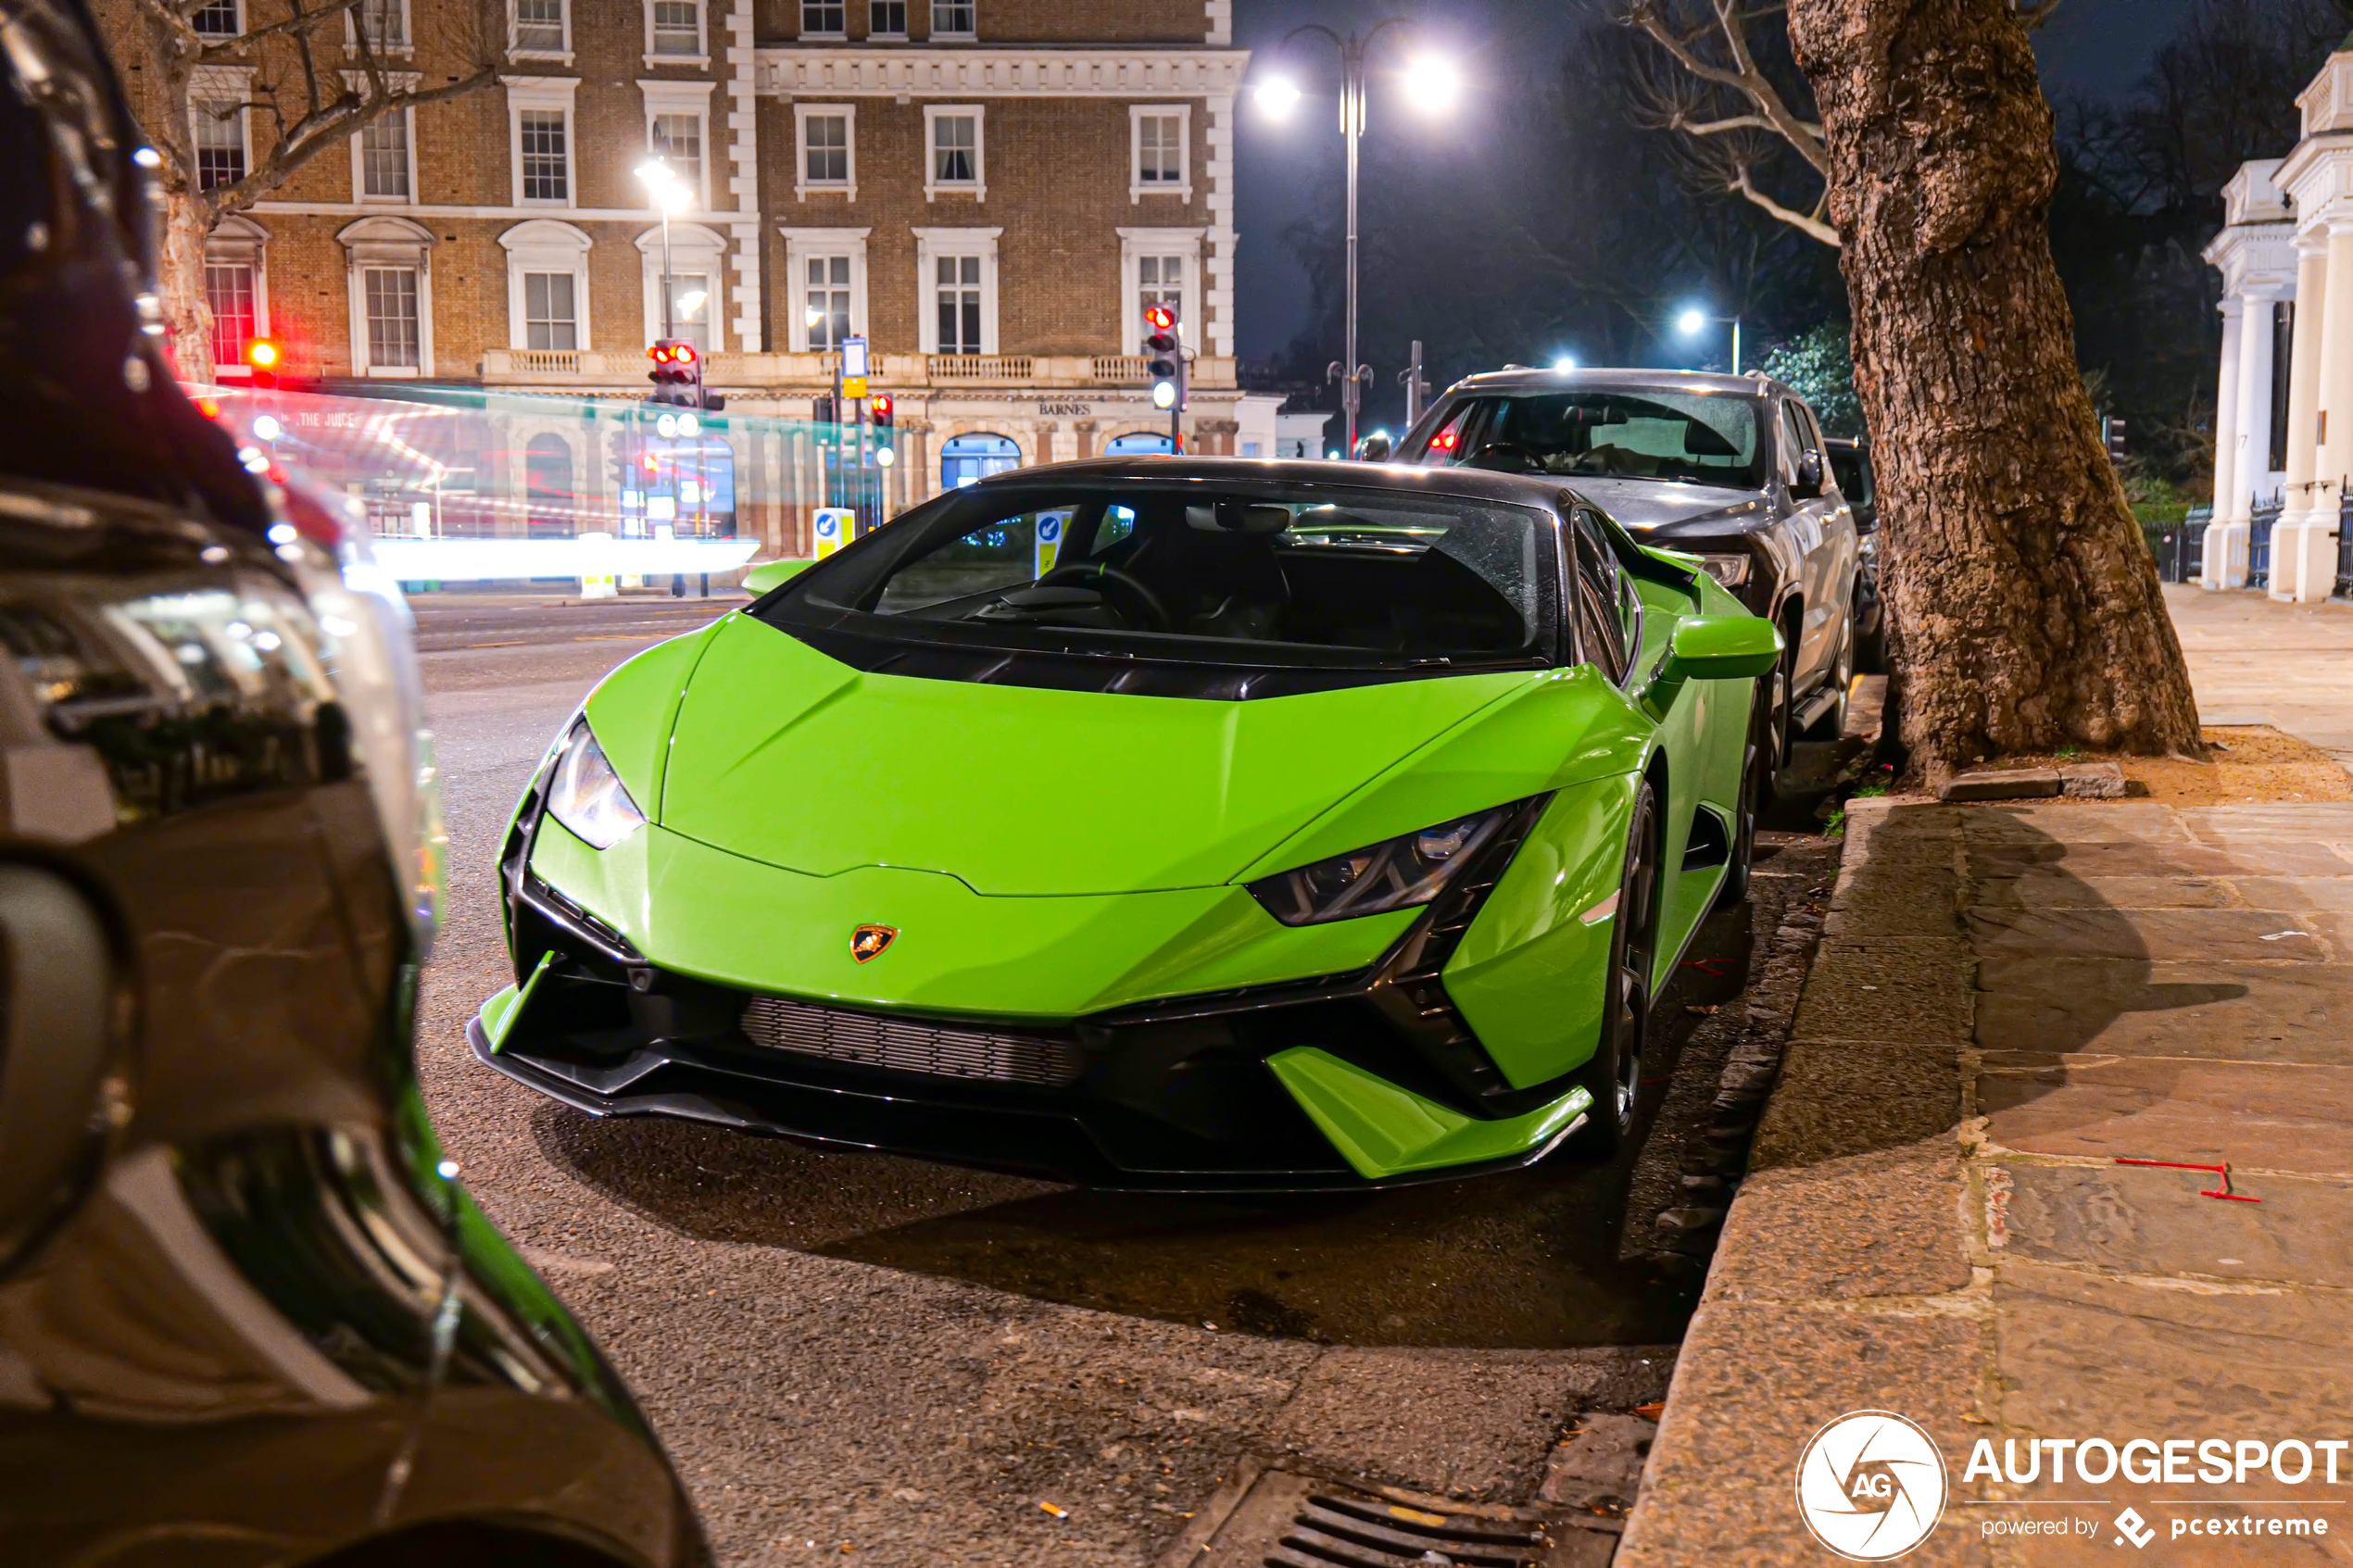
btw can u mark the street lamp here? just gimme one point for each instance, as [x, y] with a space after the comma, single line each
[1565, 362]
[1690, 323]
[671, 196]
[1431, 85]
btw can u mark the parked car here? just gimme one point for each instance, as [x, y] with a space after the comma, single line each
[1731, 469]
[247, 1315]
[1186, 823]
[1851, 464]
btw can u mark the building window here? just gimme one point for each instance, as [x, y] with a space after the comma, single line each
[825, 302]
[539, 27]
[550, 318]
[826, 149]
[887, 18]
[546, 173]
[1160, 279]
[677, 28]
[958, 162]
[384, 157]
[228, 287]
[221, 143]
[953, 19]
[691, 309]
[957, 295]
[676, 139]
[385, 22]
[824, 18]
[391, 295]
[1160, 149]
[968, 459]
[216, 18]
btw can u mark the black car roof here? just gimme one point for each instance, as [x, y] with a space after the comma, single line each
[1512, 489]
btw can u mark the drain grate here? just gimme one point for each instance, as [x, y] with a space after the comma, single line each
[1268, 1518]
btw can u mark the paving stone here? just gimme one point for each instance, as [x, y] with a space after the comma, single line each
[1752, 1384]
[2286, 1012]
[2127, 858]
[2084, 1353]
[1866, 1224]
[2259, 934]
[1841, 1098]
[2122, 1219]
[1916, 990]
[2257, 1115]
[2093, 781]
[2002, 783]
[2065, 892]
[2296, 891]
[2114, 821]
[2312, 822]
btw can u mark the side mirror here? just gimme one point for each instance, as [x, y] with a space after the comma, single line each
[771, 575]
[1373, 448]
[1809, 476]
[1723, 647]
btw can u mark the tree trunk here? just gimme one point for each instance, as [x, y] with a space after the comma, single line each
[2031, 613]
[187, 311]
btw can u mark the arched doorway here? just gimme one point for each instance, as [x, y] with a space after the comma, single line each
[964, 458]
[1138, 441]
[552, 507]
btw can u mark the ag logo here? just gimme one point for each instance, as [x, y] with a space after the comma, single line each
[1870, 1486]
[870, 942]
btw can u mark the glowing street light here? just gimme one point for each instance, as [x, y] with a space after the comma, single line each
[1432, 83]
[1565, 362]
[1278, 95]
[671, 196]
[1693, 322]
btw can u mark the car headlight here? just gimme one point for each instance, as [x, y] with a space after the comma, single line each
[587, 797]
[1395, 874]
[1730, 571]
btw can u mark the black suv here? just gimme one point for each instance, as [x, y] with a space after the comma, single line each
[1731, 469]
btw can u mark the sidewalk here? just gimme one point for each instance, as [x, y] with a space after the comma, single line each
[2007, 1001]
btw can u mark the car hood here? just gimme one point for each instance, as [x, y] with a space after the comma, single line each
[1659, 510]
[784, 755]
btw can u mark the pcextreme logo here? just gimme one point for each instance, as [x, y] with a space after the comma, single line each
[1870, 1486]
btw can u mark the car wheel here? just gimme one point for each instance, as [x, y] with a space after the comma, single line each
[1769, 728]
[1614, 1076]
[1751, 789]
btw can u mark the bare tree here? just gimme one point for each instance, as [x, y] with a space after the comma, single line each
[319, 75]
[1726, 85]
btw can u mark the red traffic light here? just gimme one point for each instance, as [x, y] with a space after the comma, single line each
[671, 353]
[262, 354]
[881, 404]
[1161, 318]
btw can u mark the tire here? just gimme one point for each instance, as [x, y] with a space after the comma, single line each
[1769, 735]
[1734, 890]
[1832, 724]
[1614, 1075]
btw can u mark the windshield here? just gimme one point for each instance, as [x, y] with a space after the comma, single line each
[1202, 571]
[1690, 437]
[1853, 471]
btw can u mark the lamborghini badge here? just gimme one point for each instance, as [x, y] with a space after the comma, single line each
[870, 942]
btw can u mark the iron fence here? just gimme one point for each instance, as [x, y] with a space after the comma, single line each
[2259, 546]
[2344, 547]
[2180, 547]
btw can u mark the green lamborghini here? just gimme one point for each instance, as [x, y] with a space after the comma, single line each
[1178, 823]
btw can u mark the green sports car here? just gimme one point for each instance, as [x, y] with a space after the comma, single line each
[1156, 822]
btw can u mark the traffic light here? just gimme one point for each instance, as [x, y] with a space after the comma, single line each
[677, 373]
[881, 406]
[2116, 442]
[1164, 353]
[263, 357]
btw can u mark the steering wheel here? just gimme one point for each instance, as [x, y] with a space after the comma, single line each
[1524, 461]
[1156, 612]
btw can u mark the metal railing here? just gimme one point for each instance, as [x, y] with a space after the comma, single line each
[2344, 548]
[2180, 550]
[2259, 546]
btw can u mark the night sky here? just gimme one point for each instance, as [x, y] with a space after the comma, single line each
[2092, 48]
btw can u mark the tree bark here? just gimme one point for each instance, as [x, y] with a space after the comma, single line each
[181, 228]
[2031, 610]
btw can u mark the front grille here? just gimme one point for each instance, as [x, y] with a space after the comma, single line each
[905, 1045]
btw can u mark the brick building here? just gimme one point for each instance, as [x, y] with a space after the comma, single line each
[990, 191]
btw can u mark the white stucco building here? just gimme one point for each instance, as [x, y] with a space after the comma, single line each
[2285, 254]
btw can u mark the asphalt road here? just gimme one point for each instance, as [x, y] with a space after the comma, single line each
[868, 1354]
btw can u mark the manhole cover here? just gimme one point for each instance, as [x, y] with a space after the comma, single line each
[1278, 1519]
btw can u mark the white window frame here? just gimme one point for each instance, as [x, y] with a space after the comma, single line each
[542, 93]
[683, 97]
[1137, 113]
[700, 59]
[1137, 243]
[407, 32]
[387, 241]
[802, 184]
[562, 57]
[241, 241]
[543, 244]
[978, 188]
[239, 6]
[221, 84]
[931, 244]
[693, 248]
[804, 245]
[805, 35]
[400, 81]
[932, 15]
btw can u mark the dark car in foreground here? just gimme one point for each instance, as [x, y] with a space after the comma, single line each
[1731, 469]
[1851, 465]
[247, 1315]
